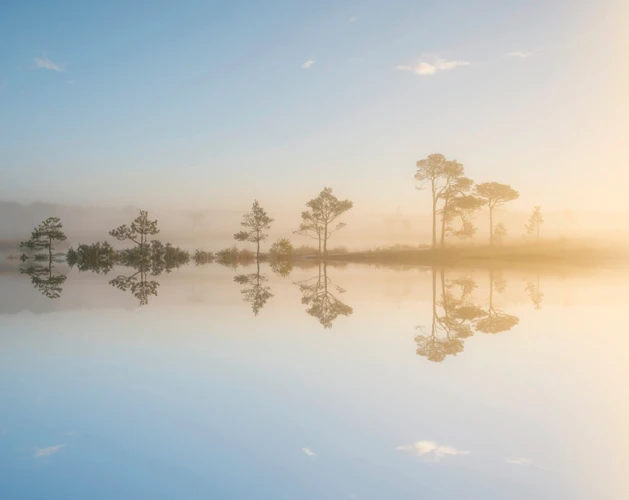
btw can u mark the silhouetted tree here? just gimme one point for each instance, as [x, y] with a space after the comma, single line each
[500, 231]
[535, 222]
[453, 195]
[462, 207]
[322, 212]
[255, 222]
[317, 294]
[255, 291]
[445, 179]
[495, 194]
[44, 237]
[139, 231]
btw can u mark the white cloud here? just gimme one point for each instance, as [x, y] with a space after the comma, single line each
[352, 20]
[519, 54]
[42, 62]
[46, 452]
[424, 68]
[70, 82]
[519, 461]
[307, 64]
[308, 452]
[431, 449]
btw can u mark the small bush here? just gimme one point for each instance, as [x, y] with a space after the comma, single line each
[281, 250]
[201, 257]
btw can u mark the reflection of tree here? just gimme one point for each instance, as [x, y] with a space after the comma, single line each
[317, 294]
[138, 284]
[282, 268]
[254, 291]
[495, 320]
[454, 324]
[456, 317]
[535, 294]
[43, 278]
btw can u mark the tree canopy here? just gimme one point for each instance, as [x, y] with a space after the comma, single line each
[255, 223]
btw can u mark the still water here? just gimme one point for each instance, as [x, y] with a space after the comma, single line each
[335, 382]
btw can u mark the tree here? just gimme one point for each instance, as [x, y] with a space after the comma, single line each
[446, 181]
[500, 231]
[462, 207]
[255, 222]
[453, 195]
[317, 221]
[495, 195]
[535, 221]
[44, 237]
[139, 231]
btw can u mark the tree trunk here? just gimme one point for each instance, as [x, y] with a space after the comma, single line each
[434, 220]
[50, 250]
[491, 226]
[325, 240]
[258, 252]
[443, 225]
[434, 300]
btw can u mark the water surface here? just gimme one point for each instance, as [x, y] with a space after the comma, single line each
[332, 382]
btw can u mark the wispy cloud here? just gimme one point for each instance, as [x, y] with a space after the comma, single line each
[352, 20]
[46, 452]
[518, 54]
[42, 62]
[307, 64]
[70, 82]
[424, 68]
[308, 452]
[519, 461]
[432, 450]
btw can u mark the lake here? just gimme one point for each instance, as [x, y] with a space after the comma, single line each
[331, 382]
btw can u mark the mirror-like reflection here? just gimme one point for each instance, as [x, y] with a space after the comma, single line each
[255, 290]
[318, 294]
[455, 316]
[45, 279]
[535, 293]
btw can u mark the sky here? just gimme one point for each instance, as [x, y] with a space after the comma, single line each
[210, 104]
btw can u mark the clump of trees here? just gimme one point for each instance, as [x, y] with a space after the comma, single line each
[318, 222]
[451, 198]
[233, 257]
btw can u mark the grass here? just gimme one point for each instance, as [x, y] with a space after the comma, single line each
[544, 253]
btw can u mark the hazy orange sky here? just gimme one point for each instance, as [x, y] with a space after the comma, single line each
[210, 106]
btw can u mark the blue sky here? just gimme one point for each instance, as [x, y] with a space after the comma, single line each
[210, 104]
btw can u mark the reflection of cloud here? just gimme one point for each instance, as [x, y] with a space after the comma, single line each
[42, 62]
[307, 64]
[423, 68]
[519, 54]
[308, 452]
[519, 461]
[430, 449]
[46, 452]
